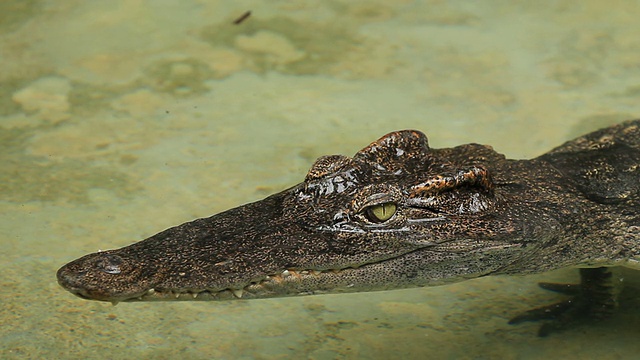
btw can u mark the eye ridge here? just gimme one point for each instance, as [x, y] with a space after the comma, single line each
[380, 213]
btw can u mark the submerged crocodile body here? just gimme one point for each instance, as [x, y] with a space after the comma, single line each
[398, 214]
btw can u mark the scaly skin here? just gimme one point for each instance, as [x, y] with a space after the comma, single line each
[398, 214]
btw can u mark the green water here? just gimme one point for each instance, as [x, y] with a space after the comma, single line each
[119, 119]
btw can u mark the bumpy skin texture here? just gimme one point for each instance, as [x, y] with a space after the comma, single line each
[453, 214]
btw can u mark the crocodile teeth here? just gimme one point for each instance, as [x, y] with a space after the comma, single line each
[237, 293]
[151, 291]
[315, 272]
[177, 295]
[286, 273]
[195, 295]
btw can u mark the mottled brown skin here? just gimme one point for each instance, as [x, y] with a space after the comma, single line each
[455, 214]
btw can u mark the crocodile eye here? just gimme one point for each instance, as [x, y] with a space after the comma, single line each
[381, 212]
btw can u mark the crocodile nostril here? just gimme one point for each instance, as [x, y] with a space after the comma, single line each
[110, 264]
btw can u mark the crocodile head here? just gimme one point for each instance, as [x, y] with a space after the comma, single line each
[397, 214]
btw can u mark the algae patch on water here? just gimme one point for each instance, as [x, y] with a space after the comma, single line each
[26, 177]
[285, 45]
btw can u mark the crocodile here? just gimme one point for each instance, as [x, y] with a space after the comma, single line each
[400, 214]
